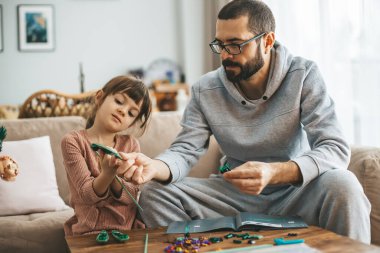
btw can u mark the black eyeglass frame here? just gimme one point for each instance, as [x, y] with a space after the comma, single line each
[216, 43]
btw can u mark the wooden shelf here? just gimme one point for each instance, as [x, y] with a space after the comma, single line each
[165, 94]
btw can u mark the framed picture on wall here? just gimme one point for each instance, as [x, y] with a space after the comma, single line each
[1, 29]
[35, 27]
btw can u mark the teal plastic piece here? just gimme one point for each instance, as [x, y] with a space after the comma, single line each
[282, 241]
[102, 237]
[226, 167]
[105, 149]
[119, 236]
[229, 235]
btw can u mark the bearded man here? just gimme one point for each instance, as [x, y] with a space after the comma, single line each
[274, 121]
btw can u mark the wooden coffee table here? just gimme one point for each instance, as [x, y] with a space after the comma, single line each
[315, 237]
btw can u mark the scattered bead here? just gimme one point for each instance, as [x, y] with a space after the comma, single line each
[242, 235]
[187, 244]
[257, 237]
[237, 241]
[245, 237]
[216, 239]
[292, 234]
[178, 250]
[230, 235]
[251, 241]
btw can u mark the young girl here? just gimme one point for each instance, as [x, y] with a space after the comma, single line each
[97, 197]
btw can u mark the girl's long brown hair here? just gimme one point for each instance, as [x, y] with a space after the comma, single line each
[135, 89]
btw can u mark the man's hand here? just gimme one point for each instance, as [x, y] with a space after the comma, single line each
[250, 177]
[144, 169]
[253, 177]
[141, 171]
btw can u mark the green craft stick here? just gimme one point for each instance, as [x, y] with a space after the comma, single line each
[105, 149]
[130, 195]
[146, 243]
[95, 146]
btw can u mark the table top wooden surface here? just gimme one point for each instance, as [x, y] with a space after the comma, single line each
[315, 237]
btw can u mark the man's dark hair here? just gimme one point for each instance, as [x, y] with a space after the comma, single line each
[260, 17]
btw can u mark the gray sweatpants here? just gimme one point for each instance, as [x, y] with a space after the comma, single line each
[334, 201]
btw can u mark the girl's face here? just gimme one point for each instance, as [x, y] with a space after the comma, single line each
[117, 112]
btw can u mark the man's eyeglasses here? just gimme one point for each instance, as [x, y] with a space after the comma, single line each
[232, 48]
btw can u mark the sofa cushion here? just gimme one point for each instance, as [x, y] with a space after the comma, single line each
[35, 188]
[55, 128]
[39, 232]
[365, 164]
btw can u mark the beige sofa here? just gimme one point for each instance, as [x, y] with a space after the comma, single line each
[43, 232]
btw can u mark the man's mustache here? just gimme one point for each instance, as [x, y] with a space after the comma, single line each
[229, 63]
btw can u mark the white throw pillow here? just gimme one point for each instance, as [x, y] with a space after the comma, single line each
[35, 188]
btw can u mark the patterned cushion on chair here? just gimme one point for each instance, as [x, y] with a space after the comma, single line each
[50, 103]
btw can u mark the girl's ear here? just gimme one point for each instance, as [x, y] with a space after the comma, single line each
[98, 96]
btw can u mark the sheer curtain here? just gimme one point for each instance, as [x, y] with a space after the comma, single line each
[341, 36]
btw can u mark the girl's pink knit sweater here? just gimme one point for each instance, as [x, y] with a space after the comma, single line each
[94, 213]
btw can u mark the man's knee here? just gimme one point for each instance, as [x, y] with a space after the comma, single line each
[341, 183]
[149, 192]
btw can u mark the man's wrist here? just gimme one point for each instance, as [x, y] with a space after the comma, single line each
[285, 173]
[162, 172]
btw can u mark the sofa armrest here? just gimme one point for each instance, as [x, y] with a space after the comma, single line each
[365, 164]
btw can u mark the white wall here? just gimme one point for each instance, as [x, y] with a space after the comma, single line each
[109, 37]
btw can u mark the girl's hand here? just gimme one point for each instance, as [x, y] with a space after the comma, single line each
[141, 171]
[109, 165]
[124, 166]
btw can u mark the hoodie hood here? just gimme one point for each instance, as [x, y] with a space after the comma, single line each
[280, 62]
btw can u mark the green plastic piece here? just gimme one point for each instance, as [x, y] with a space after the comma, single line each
[105, 149]
[226, 167]
[216, 239]
[229, 235]
[119, 236]
[102, 237]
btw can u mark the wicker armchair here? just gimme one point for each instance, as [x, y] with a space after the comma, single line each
[50, 103]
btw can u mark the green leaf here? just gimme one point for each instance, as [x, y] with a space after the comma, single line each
[3, 133]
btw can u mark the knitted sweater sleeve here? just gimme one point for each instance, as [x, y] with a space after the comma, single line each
[78, 173]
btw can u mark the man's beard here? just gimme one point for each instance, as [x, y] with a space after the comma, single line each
[246, 70]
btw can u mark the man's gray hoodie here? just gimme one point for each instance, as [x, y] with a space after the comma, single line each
[294, 120]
